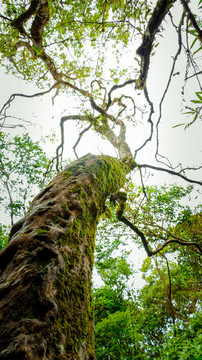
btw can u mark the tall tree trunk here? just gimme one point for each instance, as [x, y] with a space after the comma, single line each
[45, 283]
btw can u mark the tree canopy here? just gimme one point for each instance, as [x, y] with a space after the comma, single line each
[63, 46]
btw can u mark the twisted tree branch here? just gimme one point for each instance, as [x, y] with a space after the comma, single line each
[122, 198]
[171, 172]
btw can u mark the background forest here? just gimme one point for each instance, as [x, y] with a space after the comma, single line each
[115, 90]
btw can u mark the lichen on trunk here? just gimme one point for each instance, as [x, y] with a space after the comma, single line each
[45, 281]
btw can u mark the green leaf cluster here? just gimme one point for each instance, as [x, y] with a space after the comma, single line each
[76, 37]
[23, 171]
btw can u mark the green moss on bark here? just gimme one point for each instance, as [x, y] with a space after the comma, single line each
[74, 325]
[51, 259]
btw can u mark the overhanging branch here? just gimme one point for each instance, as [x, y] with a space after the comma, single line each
[161, 9]
[122, 198]
[13, 96]
[171, 172]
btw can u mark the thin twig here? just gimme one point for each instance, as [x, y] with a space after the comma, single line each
[166, 89]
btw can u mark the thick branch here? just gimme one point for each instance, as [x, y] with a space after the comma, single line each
[192, 19]
[18, 23]
[102, 127]
[40, 9]
[161, 9]
[40, 21]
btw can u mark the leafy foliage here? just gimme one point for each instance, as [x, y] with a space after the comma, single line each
[160, 320]
[4, 233]
[73, 27]
[186, 345]
[23, 170]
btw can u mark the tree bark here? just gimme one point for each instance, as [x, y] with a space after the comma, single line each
[45, 270]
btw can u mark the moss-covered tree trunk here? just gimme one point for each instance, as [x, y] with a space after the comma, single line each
[45, 281]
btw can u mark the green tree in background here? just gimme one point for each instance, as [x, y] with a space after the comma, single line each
[23, 171]
[159, 321]
[4, 234]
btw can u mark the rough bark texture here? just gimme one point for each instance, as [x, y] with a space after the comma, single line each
[45, 280]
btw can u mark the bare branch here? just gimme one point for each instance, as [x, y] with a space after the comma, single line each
[190, 57]
[191, 168]
[167, 87]
[189, 77]
[149, 121]
[178, 241]
[79, 138]
[13, 96]
[119, 213]
[4, 117]
[142, 182]
[115, 87]
[171, 172]
[61, 145]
